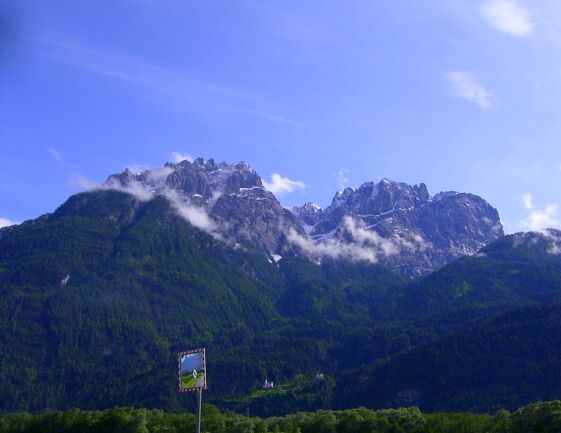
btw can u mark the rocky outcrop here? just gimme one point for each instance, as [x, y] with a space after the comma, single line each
[410, 231]
[425, 232]
[232, 195]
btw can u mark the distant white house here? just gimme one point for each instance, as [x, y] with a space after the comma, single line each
[319, 376]
[267, 385]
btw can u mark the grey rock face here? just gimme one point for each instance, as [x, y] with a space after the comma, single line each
[424, 232]
[410, 231]
[310, 213]
[231, 194]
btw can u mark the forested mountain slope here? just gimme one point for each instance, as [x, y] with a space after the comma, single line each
[501, 363]
[98, 297]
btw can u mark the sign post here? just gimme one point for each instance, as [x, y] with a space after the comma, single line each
[199, 407]
[192, 377]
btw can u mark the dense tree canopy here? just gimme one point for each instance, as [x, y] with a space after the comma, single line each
[538, 417]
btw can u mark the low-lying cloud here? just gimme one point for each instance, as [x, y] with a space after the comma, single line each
[195, 215]
[364, 244]
[342, 179]
[180, 157]
[135, 189]
[539, 220]
[5, 222]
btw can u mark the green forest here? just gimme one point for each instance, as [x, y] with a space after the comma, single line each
[538, 417]
[480, 335]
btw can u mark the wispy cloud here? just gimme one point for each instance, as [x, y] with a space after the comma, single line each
[465, 85]
[277, 118]
[179, 157]
[538, 220]
[508, 16]
[5, 222]
[194, 215]
[61, 160]
[364, 245]
[528, 201]
[55, 153]
[135, 189]
[138, 168]
[173, 85]
[282, 185]
[342, 179]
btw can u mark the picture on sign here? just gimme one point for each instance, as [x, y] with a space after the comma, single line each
[192, 370]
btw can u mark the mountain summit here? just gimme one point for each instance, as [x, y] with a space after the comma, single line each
[230, 197]
[426, 232]
[392, 223]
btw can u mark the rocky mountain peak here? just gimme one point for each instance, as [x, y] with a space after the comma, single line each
[420, 233]
[396, 224]
[231, 195]
[375, 198]
[197, 178]
[310, 213]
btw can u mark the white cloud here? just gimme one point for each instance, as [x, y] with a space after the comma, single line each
[179, 157]
[157, 176]
[281, 185]
[4, 222]
[508, 16]
[194, 215]
[60, 159]
[56, 155]
[332, 248]
[367, 237]
[134, 188]
[538, 220]
[528, 201]
[465, 85]
[342, 179]
[138, 168]
[365, 245]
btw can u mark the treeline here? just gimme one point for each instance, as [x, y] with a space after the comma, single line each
[537, 417]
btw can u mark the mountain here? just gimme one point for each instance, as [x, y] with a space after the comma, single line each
[231, 195]
[515, 271]
[400, 226]
[424, 232]
[513, 358]
[480, 334]
[497, 317]
[99, 296]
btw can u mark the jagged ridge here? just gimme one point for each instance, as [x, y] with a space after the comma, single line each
[398, 225]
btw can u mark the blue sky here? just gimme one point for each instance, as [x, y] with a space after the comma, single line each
[460, 94]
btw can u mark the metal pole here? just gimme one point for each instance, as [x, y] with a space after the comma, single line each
[199, 407]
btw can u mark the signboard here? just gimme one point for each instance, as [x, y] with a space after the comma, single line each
[192, 370]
